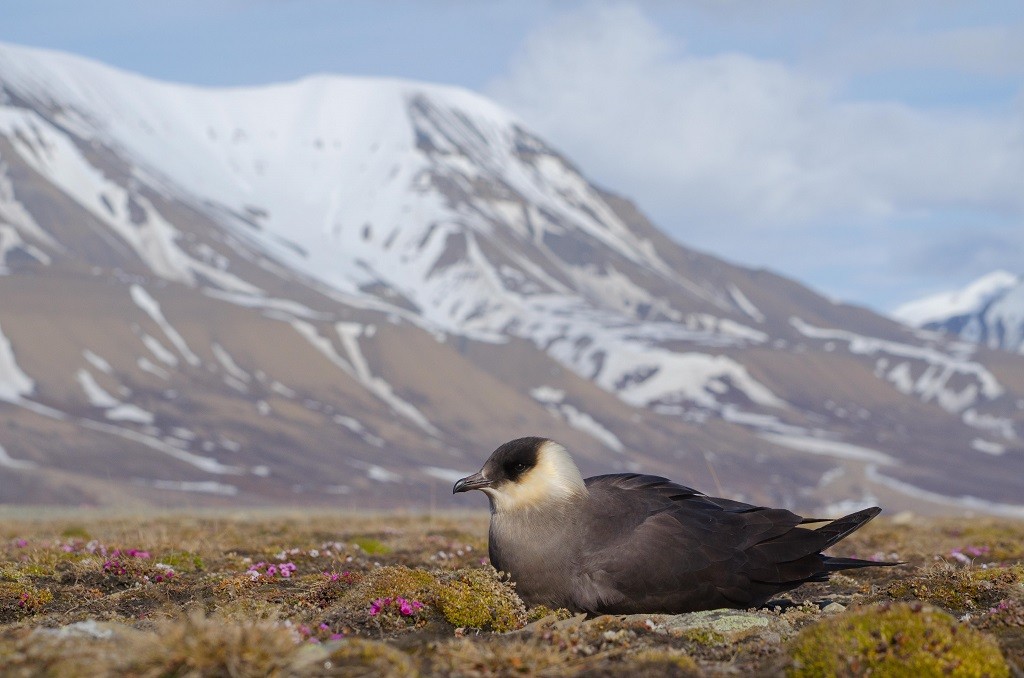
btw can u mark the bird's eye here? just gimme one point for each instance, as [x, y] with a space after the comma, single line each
[519, 468]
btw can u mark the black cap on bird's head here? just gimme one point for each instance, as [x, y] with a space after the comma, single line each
[525, 473]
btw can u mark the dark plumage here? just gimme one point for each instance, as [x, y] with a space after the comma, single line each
[630, 543]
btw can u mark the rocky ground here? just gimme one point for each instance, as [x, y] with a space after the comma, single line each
[257, 594]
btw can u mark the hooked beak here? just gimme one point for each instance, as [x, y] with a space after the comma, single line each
[477, 481]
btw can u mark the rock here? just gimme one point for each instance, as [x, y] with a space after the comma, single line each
[90, 628]
[713, 625]
[833, 608]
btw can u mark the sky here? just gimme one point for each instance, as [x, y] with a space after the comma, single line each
[872, 150]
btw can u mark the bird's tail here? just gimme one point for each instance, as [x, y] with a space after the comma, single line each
[840, 528]
[833, 564]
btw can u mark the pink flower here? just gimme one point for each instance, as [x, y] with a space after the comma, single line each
[21, 543]
[378, 605]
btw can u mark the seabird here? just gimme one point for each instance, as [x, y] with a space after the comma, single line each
[629, 543]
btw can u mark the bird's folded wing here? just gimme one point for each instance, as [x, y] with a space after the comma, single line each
[686, 551]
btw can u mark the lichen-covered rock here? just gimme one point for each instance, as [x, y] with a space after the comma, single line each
[895, 640]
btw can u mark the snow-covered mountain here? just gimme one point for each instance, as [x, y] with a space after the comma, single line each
[351, 290]
[988, 311]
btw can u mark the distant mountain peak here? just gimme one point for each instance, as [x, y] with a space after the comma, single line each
[968, 299]
[988, 311]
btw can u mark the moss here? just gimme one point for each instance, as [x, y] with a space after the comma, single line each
[478, 599]
[895, 640]
[474, 598]
[20, 599]
[75, 532]
[958, 589]
[704, 636]
[394, 581]
[357, 657]
[371, 546]
[539, 612]
[182, 561]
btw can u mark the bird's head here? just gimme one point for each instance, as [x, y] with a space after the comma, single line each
[526, 473]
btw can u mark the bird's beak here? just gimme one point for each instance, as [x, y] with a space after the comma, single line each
[477, 481]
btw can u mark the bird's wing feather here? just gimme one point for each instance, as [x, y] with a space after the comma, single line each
[668, 547]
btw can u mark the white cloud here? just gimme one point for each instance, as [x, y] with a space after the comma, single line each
[764, 146]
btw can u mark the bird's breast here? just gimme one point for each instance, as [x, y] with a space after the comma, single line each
[537, 553]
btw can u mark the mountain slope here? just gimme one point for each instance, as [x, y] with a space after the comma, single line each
[351, 290]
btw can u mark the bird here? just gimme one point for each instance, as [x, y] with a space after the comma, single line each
[629, 543]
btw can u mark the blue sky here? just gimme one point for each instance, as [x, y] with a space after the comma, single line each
[874, 150]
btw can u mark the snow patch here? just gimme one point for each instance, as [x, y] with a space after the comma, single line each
[129, 412]
[553, 398]
[207, 464]
[829, 448]
[147, 365]
[201, 486]
[115, 409]
[148, 304]
[745, 304]
[97, 362]
[446, 474]
[988, 447]
[229, 364]
[381, 474]
[966, 301]
[357, 367]
[94, 393]
[7, 461]
[14, 383]
[933, 384]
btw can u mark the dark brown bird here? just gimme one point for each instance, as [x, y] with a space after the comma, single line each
[629, 543]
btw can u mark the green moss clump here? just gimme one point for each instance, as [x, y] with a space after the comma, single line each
[394, 581]
[704, 636]
[479, 599]
[474, 598]
[182, 561]
[75, 532]
[539, 612]
[895, 640]
[371, 546]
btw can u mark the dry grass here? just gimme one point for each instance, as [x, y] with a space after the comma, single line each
[262, 593]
